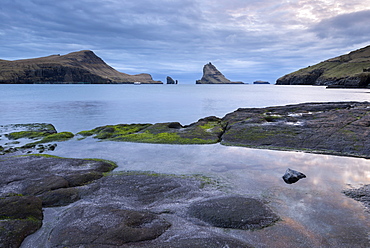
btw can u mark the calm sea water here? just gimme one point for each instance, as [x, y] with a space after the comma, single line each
[81, 107]
[314, 212]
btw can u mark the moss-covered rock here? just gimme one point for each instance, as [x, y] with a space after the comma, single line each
[205, 131]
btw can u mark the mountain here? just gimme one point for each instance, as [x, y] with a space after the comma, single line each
[213, 76]
[77, 67]
[349, 71]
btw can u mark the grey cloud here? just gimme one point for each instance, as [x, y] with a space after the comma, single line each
[349, 26]
[249, 40]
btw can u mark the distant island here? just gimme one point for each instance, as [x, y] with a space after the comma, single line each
[77, 67]
[348, 71]
[260, 82]
[213, 76]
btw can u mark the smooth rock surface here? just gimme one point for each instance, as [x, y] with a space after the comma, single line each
[233, 212]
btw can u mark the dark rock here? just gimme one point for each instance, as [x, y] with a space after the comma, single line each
[20, 216]
[339, 128]
[142, 189]
[209, 242]
[44, 184]
[170, 80]
[59, 197]
[49, 178]
[233, 212]
[361, 194]
[176, 125]
[106, 225]
[20, 207]
[35, 175]
[292, 176]
[260, 82]
[213, 76]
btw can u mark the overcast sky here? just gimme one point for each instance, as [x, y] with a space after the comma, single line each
[247, 40]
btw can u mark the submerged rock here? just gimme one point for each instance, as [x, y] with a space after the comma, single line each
[361, 194]
[292, 176]
[108, 226]
[233, 212]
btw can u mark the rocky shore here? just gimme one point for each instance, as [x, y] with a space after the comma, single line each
[127, 209]
[339, 128]
[92, 207]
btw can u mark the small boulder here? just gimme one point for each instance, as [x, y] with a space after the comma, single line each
[292, 176]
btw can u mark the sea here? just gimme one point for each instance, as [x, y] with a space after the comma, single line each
[314, 211]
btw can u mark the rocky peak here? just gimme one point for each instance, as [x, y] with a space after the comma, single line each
[85, 56]
[213, 76]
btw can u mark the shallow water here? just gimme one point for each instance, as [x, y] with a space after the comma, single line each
[314, 212]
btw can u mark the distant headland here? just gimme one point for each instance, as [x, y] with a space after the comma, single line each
[346, 71]
[77, 67]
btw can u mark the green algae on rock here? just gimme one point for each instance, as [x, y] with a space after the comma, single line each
[205, 131]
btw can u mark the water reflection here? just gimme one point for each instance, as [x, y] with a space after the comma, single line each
[314, 212]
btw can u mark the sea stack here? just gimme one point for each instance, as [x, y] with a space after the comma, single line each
[170, 80]
[213, 76]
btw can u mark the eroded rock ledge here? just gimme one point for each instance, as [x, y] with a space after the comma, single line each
[339, 128]
[125, 209]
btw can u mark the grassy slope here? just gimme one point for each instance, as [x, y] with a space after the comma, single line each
[343, 66]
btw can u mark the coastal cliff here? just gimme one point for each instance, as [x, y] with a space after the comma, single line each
[348, 71]
[213, 76]
[77, 67]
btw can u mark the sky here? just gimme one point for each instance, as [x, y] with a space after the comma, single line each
[247, 40]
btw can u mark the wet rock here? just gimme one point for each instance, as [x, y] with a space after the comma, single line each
[46, 181]
[339, 128]
[35, 175]
[292, 176]
[209, 242]
[59, 197]
[205, 131]
[43, 184]
[233, 212]
[106, 225]
[141, 189]
[361, 194]
[20, 216]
